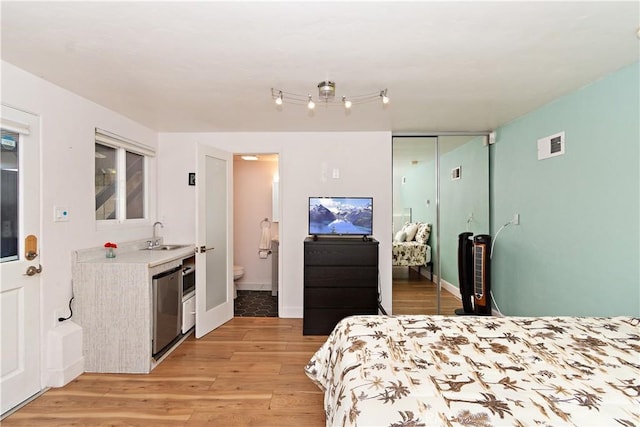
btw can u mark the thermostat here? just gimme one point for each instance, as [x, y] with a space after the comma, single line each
[60, 214]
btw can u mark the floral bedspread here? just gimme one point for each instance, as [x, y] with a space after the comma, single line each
[410, 254]
[480, 371]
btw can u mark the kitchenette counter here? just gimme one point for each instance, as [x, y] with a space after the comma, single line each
[114, 303]
[135, 252]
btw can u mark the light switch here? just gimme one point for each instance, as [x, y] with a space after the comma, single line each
[60, 214]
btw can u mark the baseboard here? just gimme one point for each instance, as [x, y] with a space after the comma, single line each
[62, 377]
[290, 312]
[249, 286]
[452, 289]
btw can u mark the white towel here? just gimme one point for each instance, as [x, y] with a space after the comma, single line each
[265, 237]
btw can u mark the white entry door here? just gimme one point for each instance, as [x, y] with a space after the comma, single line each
[19, 257]
[214, 239]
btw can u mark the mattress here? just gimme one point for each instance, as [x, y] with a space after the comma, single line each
[410, 254]
[480, 371]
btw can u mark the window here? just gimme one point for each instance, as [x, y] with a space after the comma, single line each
[9, 219]
[120, 178]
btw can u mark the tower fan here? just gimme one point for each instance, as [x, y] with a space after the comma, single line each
[474, 274]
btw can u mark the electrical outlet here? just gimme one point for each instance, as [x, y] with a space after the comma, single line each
[516, 219]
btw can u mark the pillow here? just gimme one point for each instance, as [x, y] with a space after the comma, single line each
[400, 236]
[423, 233]
[411, 230]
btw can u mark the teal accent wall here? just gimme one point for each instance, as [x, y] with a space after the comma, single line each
[461, 199]
[576, 250]
[419, 190]
[420, 186]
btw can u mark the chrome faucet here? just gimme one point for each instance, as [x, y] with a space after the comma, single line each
[155, 239]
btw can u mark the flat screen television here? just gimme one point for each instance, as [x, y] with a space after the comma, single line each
[341, 216]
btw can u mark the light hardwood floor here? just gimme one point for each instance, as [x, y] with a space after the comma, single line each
[248, 372]
[415, 294]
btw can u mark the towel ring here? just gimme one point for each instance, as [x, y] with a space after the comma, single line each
[265, 221]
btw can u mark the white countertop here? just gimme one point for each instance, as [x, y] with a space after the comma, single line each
[132, 254]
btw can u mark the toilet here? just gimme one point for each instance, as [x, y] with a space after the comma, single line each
[238, 272]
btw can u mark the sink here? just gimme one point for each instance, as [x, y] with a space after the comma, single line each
[169, 247]
[165, 248]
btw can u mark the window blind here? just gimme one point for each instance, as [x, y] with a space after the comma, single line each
[115, 141]
[12, 126]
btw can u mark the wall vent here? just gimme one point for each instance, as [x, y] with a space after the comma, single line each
[551, 146]
[456, 173]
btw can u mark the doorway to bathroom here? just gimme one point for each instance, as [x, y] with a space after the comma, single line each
[256, 225]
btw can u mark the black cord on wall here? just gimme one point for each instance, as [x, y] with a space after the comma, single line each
[62, 319]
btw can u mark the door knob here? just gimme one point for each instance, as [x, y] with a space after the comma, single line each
[32, 270]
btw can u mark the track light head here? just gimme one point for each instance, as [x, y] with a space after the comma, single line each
[385, 98]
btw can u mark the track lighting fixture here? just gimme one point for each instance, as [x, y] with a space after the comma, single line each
[327, 97]
[385, 98]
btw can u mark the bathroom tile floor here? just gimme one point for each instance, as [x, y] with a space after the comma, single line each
[255, 304]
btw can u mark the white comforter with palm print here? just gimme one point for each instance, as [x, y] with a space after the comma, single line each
[480, 371]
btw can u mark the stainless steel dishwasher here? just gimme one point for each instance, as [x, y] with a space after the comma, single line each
[167, 308]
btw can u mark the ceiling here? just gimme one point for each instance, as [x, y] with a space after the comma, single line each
[210, 66]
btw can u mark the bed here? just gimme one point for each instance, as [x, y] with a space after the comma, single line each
[403, 371]
[410, 246]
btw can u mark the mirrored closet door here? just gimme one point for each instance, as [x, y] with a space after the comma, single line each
[440, 189]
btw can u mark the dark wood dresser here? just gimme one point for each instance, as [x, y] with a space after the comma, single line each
[340, 280]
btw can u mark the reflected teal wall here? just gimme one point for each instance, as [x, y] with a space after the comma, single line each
[576, 250]
[419, 187]
[418, 192]
[462, 199]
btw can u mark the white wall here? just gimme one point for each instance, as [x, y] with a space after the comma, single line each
[306, 164]
[67, 129]
[252, 194]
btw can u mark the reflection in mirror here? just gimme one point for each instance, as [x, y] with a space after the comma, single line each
[414, 221]
[464, 200]
[443, 182]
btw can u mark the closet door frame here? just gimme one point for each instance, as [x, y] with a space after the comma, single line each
[438, 150]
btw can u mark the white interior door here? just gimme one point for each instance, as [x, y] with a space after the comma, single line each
[214, 239]
[19, 293]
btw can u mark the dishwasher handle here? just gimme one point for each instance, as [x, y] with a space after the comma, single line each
[167, 272]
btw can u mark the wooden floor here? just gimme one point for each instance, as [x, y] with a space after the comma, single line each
[415, 294]
[248, 372]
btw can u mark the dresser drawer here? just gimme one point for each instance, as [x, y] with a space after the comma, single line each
[322, 321]
[340, 298]
[340, 280]
[331, 277]
[341, 254]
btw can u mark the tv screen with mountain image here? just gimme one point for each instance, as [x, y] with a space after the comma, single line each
[341, 216]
